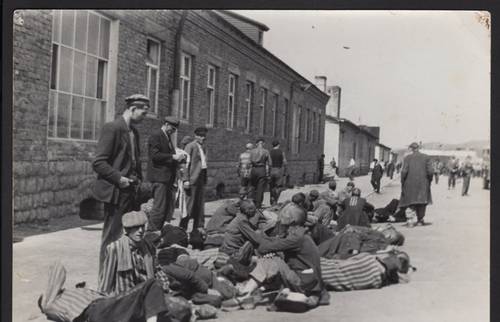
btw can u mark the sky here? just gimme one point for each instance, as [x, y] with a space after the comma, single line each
[420, 76]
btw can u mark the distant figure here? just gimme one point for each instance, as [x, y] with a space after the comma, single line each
[351, 169]
[390, 169]
[437, 170]
[261, 167]
[453, 168]
[333, 164]
[277, 172]
[467, 170]
[416, 177]
[377, 173]
[399, 165]
[321, 167]
[244, 169]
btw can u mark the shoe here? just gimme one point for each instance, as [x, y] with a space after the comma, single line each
[230, 305]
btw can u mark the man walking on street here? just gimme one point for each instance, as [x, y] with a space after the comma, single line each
[333, 164]
[278, 171]
[437, 170]
[162, 166]
[377, 173]
[467, 171]
[351, 168]
[261, 164]
[321, 168]
[118, 168]
[416, 178]
[244, 169]
[452, 172]
[390, 169]
[195, 179]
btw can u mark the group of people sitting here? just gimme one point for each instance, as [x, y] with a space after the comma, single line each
[286, 257]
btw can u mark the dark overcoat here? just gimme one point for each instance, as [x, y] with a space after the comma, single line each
[113, 159]
[161, 165]
[416, 178]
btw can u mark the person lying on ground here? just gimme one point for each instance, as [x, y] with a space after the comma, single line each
[366, 271]
[390, 213]
[354, 211]
[299, 269]
[143, 302]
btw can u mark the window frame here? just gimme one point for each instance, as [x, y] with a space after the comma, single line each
[211, 91]
[275, 112]
[231, 100]
[56, 41]
[183, 79]
[284, 126]
[262, 106]
[148, 76]
[250, 88]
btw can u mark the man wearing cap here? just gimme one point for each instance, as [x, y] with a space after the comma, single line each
[244, 169]
[195, 179]
[416, 178]
[261, 164]
[118, 168]
[278, 171]
[162, 166]
[377, 172]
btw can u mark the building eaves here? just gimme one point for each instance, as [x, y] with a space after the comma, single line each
[343, 120]
[256, 23]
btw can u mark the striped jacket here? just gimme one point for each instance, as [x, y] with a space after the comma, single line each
[362, 271]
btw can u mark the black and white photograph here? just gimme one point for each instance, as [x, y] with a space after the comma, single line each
[179, 165]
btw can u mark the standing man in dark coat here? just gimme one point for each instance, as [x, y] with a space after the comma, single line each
[162, 166]
[377, 173]
[118, 167]
[195, 179]
[321, 168]
[416, 178]
[261, 166]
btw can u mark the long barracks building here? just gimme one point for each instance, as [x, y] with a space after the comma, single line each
[73, 70]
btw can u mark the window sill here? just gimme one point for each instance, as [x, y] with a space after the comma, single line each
[67, 140]
[210, 126]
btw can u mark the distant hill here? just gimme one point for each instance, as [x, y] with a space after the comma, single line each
[470, 145]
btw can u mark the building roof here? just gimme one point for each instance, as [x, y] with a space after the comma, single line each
[383, 146]
[256, 23]
[350, 123]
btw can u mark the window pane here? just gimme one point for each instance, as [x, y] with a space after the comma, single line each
[211, 77]
[65, 65]
[78, 73]
[63, 115]
[68, 27]
[88, 119]
[56, 25]
[90, 87]
[93, 34]
[187, 68]
[104, 38]
[101, 79]
[81, 30]
[152, 89]
[185, 98]
[76, 117]
[153, 52]
[53, 75]
[52, 110]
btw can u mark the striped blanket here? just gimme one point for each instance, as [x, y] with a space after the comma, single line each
[208, 257]
[359, 272]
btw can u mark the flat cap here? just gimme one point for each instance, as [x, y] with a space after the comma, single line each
[414, 145]
[171, 120]
[137, 99]
[261, 139]
[134, 219]
[201, 131]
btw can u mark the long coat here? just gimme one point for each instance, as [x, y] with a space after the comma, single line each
[416, 178]
[161, 165]
[194, 166]
[114, 159]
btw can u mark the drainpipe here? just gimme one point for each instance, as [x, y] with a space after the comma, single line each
[177, 59]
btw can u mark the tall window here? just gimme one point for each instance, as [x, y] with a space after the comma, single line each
[319, 128]
[211, 85]
[285, 119]
[185, 94]
[297, 111]
[275, 112]
[248, 104]
[313, 127]
[153, 73]
[263, 103]
[231, 100]
[78, 84]
[306, 126]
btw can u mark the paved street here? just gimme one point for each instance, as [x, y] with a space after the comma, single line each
[451, 255]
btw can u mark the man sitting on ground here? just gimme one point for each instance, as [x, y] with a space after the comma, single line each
[354, 211]
[216, 226]
[346, 192]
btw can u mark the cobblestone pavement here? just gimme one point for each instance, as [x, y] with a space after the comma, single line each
[451, 255]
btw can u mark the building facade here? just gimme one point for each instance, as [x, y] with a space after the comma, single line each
[73, 70]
